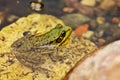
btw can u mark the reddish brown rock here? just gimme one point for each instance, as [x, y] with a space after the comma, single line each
[103, 64]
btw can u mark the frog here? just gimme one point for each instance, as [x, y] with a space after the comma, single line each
[33, 50]
[55, 37]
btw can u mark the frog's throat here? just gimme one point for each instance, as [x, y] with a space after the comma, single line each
[68, 33]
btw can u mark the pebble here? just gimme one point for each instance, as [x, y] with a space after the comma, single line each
[118, 3]
[119, 24]
[115, 20]
[99, 34]
[101, 40]
[107, 4]
[12, 18]
[102, 29]
[88, 34]
[68, 9]
[93, 24]
[0, 21]
[74, 19]
[100, 20]
[88, 2]
[94, 39]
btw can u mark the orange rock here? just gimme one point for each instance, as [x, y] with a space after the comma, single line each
[68, 9]
[82, 29]
[115, 20]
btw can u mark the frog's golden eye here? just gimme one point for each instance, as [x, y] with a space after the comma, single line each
[61, 37]
[59, 40]
[63, 34]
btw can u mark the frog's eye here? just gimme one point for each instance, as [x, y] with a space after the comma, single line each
[63, 34]
[61, 37]
[59, 40]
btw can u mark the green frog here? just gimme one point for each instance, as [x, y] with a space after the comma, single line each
[53, 38]
[37, 50]
[44, 52]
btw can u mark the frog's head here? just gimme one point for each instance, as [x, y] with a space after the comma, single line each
[60, 33]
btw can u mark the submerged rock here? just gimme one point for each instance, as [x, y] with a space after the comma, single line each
[74, 20]
[88, 2]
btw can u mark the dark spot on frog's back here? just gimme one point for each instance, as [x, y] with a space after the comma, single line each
[2, 38]
[34, 23]
[68, 63]
[47, 26]
[2, 55]
[14, 45]
[17, 43]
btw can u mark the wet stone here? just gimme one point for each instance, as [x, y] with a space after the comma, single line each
[74, 20]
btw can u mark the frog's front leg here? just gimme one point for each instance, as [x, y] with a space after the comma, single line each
[50, 50]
